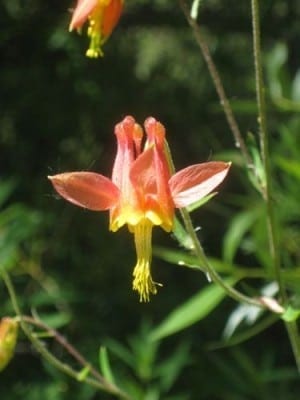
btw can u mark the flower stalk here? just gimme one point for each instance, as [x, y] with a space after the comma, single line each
[274, 244]
[217, 81]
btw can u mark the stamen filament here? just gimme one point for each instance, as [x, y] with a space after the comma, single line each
[143, 282]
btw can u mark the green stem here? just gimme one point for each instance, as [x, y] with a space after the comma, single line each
[217, 81]
[265, 154]
[64, 343]
[264, 145]
[214, 276]
[99, 383]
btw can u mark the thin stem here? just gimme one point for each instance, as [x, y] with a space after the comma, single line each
[215, 277]
[264, 146]
[215, 76]
[268, 196]
[101, 384]
[64, 343]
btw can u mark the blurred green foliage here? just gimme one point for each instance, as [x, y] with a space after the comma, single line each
[58, 110]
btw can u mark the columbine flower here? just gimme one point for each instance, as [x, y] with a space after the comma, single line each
[103, 15]
[8, 340]
[142, 192]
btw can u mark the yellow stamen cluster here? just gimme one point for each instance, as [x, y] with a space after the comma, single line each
[93, 32]
[143, 282]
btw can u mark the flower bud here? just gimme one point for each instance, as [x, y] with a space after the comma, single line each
[8, 340]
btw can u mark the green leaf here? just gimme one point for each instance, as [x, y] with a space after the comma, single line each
[296, 87]
[181, 235]
[237, 229]
[291, 167]
[177, 257]
[83, 374]
[169, 370]
[195, 9]
[256, 174]
[200, 202]
[6, 189]
[56, 319]
[245, 334]
[121, 352]
[192, 311]
[291, 314]
[105, 365]
[185, 259]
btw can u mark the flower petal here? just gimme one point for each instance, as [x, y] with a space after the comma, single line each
[82, 12]
[149, 176]
[192, 183]
[111, 16]
[86, 189]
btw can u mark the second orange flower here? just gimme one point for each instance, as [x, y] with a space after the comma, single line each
[102, 17]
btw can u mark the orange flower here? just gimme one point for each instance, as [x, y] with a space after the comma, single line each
[103, 16]
[143, 192]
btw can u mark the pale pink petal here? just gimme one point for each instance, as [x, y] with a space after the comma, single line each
[193, 183]
[86, 189]
[82, 12]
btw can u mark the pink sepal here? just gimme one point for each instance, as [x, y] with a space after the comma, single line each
[82, 12]
[193, 183]
[86, 189]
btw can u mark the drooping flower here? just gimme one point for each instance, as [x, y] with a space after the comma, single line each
[143, 192]
[8, 340]
[103, 16]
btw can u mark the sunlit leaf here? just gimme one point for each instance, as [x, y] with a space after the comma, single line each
[186, 259]
[291, 314]
[83, 374]
[200, 202]
[192, 311]
[248, 313]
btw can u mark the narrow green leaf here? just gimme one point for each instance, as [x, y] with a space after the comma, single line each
[105, 365]
[291, 167]
[200, 202]
[195, 9]
[186, 259]
[169, 370]
[239, 226]
[177, 257]
[181, 235]
[192, 311]
[83, 374]
[291, 314]
[6, 189]
[121, 352]
[296, 87]
[246, 334]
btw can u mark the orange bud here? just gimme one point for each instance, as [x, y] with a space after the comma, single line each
[8, 340]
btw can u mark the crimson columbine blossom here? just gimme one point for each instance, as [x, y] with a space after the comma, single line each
[142, 192]
[103, 16]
